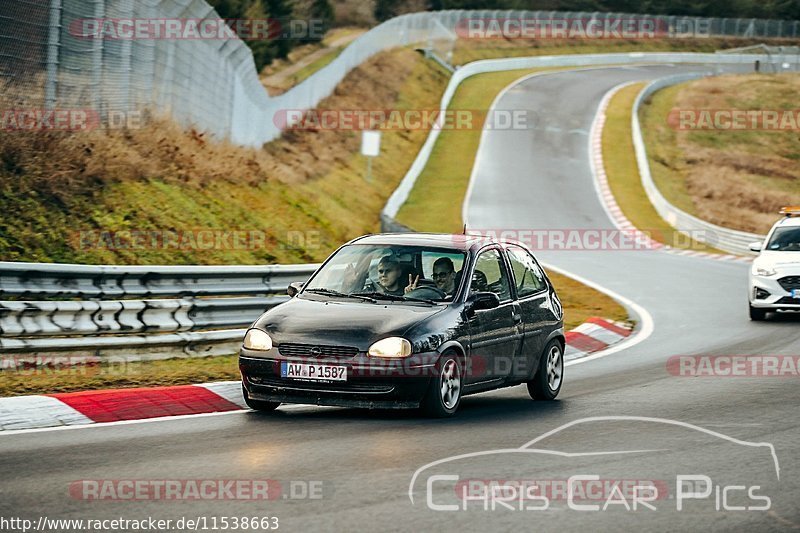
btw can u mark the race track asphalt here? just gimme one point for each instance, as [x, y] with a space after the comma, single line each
[364, 461]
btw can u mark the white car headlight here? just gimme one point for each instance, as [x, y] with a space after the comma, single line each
[255, 339]
[391, 347]
[761, 271]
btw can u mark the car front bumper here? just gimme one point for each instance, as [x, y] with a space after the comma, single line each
[390, 384]
[778, 298]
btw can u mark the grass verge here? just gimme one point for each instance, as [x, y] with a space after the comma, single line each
[736, 178]
[435, 202]
[118, 375]
[314, 66]
[619, 159]
[467, 50]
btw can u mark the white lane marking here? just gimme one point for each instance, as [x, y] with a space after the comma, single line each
[644, 329]
[89, 424]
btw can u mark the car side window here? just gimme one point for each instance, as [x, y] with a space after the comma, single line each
[528, 277]
[490, 275]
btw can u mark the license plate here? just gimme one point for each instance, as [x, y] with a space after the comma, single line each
[313, 372]
[795, 293]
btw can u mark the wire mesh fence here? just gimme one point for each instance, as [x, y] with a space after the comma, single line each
[173, 57]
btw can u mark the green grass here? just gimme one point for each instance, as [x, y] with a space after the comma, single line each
[623, 174]
[316, 65]
[118, 375]
[663, 150]
[435, 202]
[467, 50]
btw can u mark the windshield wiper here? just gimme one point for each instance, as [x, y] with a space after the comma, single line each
[331, 292]
[393, 297]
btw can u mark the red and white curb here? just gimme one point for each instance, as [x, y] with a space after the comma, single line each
[594, 335]
[114, 405]
[607, 197]
[117, 405]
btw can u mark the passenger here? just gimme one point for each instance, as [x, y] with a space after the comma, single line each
[444, 275]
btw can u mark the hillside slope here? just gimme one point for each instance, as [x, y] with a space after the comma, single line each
[69, 197]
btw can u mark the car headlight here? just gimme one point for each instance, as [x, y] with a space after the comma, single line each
[391, 347]
[761, 271]
[255, 339]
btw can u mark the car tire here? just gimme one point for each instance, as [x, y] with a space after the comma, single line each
[259, 405]
[444, 391]
[546, 384]
[757, 314]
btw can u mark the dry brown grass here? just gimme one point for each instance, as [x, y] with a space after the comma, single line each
[736, 179]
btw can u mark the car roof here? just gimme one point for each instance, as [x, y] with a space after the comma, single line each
[788, 222]
[434, 240]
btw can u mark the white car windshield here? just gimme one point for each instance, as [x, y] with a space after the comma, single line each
[785, 240]
[390, 272]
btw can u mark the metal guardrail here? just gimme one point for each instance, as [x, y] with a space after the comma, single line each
[725, 239]
[31, 280]
[193, 310]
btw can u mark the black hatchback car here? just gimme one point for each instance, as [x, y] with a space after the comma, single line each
[406, 321]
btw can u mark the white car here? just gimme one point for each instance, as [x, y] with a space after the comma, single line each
[775, 274]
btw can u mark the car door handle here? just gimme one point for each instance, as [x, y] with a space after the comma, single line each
[517, 318]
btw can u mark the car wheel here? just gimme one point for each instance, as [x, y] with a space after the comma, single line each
[259, 405]
[546, 384]
[444, 392]
[757, 314]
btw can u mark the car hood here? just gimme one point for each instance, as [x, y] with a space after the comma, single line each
[341, 322]
[783, 262]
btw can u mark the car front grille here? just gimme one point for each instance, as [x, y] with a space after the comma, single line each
[338, 386]
[290, 349]
[789, 300]
[790, 282]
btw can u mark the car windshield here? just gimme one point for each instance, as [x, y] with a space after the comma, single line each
[390, 273]
[785, 240]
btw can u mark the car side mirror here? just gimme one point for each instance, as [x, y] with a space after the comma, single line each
[482, 300]
[755, 246]
[294, 288]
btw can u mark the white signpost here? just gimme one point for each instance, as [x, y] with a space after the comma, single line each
[370, 147]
